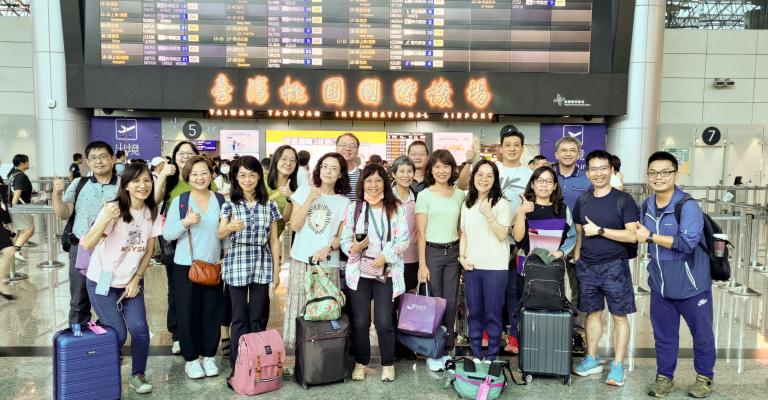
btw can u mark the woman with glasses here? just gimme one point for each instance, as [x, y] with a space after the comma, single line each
[122, 239]
[317, 220]
[543, 220]
[484, 253]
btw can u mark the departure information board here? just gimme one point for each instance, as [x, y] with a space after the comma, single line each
[397, 35]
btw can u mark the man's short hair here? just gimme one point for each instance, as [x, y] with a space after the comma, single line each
[511, 131]
[19, 159]
[350, 134]
[120, 154]
[98, 145]
[598, 154]
[568, 139]
[303, 157]
[663, 156]
[77, 157]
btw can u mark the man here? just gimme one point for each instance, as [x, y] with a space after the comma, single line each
[538, 161]
[74, 168]
[86, 205]
[302, 176]
[122, 160]
[573, 183]
[673, 226]
[21, 188]
[348, 145]
[418, 152]
[513, 177]
[606, 220]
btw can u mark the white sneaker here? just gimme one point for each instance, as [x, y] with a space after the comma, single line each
[435, 364]
[194, 369]
[210, 367]
[20, 257]
[445, 358]
[176, 348]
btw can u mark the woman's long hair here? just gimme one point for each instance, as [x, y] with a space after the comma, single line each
[557, 194]
[131, 173]
[391, 203]
[495, 194]
[272, 178]
[250, 163]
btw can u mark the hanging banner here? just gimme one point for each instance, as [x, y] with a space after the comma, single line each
[140, 138]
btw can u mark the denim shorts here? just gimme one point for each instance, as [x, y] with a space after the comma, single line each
[609, 282]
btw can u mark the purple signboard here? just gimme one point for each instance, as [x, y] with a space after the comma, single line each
[206, 145]
[140, 138]
[591, 136]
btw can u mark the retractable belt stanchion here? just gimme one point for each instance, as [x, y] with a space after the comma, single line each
[50, 221]
[744, 261]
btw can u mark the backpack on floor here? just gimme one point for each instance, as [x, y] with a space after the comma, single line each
[543, 285]
[719, 267]
[324, 299]
[259, 365]
[479, 381]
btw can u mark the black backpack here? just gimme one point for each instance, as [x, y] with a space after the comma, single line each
[719, 267]
[631, 247]
[543, 285]
[68, 239]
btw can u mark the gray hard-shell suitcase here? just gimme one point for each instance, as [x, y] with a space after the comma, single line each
[322, 348]
[545, 344]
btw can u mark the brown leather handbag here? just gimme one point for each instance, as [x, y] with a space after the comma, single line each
[201, 272]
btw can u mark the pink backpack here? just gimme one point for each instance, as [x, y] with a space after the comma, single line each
[259, 365]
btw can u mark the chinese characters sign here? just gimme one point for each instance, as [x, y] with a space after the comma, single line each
[140, 138]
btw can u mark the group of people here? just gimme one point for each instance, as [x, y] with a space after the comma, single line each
[378, 233]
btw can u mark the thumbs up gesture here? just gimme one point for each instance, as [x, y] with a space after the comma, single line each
[285, 190]
[235, 225]
[591, 229]
[111, 211]
[58, 185]
[192, 218]
[526, 206]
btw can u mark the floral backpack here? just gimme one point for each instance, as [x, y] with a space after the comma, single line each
[324, 299]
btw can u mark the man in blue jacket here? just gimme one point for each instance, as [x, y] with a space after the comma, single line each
[679, 277]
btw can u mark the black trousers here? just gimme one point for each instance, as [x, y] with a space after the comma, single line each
[247, 314]
[79, 303]
[383, 308]
[197, 315]
[170, 317]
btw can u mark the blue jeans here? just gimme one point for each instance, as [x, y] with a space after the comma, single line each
[485, 290]
[131, 317]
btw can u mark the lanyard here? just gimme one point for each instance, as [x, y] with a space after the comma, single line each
[379, 231]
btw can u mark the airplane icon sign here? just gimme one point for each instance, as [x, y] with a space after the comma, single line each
[126, 129]
[574, 131]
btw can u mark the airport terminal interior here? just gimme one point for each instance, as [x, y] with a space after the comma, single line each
[240, 78]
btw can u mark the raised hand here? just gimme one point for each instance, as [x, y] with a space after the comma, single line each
[192, 218]
[58, 185]
[285, 190]
[526, 206]
[591, 229]
[235, 225]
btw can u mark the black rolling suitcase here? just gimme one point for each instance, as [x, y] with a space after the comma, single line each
[322, 348]
[545, 344]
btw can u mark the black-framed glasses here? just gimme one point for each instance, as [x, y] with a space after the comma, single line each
[663, 173]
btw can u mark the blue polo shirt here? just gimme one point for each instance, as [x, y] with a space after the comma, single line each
[573, 186]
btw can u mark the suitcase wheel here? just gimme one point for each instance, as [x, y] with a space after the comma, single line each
[567, 381]
[528, 378]
[304, 385]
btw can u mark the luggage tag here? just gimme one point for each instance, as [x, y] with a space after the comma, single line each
[105, 281]
[485, 387]
[335, 325]
[95, 328]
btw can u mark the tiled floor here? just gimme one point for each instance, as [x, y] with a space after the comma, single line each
[29, 323]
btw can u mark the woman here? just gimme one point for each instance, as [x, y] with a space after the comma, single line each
[543, 209]
[317, 219]
[123, 237]
[282, 181]
[437, 220]
[198, 304]
[222, 180]
[7, 250]
[484, 254]
[403, 170]
[167, 187]
[377, 215]
[252, 259]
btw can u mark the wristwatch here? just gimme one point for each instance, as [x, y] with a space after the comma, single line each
[601, 231]
[649, 239]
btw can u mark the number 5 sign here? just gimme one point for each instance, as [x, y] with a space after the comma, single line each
[711, 136]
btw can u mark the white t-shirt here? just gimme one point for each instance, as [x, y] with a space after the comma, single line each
[123, 247]
[513, 182]
[321, 225]
[484, 250]
[302, 177]
[377, 220]
[224, 187]
[615, 181]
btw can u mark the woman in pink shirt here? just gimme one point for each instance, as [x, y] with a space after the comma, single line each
[122, 239]
[403, 170]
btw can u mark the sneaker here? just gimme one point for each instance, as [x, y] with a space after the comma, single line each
[210, 367]
[701, 388]
[388, 373]
[194, 369]
[588, 366]
[513, 346]
[139, 384]
[20, 257]
[435, 364]
[176, 348]
[661, 387]
[225, 347]
[358, 374]
[616, 376]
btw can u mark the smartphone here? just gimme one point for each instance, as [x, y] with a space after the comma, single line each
[360, 236]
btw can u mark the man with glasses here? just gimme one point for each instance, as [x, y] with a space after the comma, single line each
[418, 152]
[573, 182]
[606, 221]
[83, 199]
[348, 146]
[672, 224]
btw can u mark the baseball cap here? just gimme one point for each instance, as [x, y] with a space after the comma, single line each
[156, 161]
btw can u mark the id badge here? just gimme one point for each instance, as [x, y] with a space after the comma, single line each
[105, 281]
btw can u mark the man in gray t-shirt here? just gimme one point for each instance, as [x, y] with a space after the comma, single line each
[85, 206]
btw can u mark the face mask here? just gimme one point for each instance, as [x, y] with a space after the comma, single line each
[224, 169]
[373, 200]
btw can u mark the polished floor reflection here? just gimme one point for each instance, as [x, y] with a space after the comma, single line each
[29, 323]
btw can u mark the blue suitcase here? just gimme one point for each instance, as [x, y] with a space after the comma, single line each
[86, 367]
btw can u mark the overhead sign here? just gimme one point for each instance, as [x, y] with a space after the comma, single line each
[140, 138]
[591, 137]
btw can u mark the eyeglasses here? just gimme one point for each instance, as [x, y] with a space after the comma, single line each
[331, 168]
[604, 168]
[663, 173]
[102, 157]
[545, 182]
[347, 146]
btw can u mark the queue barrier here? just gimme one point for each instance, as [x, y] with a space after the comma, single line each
[50, 232]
